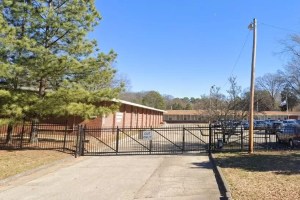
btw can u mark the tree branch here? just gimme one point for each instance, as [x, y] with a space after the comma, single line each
[63, 35]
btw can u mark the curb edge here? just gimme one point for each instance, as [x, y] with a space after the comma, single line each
[219, 174]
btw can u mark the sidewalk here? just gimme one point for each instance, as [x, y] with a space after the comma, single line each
[122, 177]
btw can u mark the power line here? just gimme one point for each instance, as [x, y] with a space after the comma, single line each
[279, 28]
[239, 56]
[246, 40]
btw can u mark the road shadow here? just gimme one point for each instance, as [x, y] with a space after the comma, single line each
[204, 165]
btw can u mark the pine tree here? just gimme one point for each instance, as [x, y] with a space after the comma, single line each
[48, 65]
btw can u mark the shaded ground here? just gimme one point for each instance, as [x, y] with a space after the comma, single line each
[18, 161]
[263, 175]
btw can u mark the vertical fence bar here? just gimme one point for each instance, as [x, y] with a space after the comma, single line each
[150, 142]
[242, 138]
[266, 139]
[77, 141]
[183, 139]
[151, 146]
[31, 131]
[117, 140]
[83, 140]
[22, 134]
[209, 140]
[65, 136]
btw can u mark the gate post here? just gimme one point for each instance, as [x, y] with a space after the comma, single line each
[183, 139]
[209, 139]
[117, 140]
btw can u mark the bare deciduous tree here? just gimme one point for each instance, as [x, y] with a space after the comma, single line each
[272, 83]
[291, 71]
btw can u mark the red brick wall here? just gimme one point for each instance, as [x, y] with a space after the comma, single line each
[97, 122]
[127, 116]
[134, 117]
[108, 121]
[140, 117]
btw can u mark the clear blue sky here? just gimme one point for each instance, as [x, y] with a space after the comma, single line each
[183, 47]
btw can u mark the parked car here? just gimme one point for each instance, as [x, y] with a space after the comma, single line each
[259, 124]
[289, 133]
[269, 122]
[290, 122]
[274, 126]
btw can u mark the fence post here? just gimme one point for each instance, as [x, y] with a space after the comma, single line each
[65, 136]
[83, 139]
[117, 140]
[80, 140]
[22, 134]
[209, 139]
[242, 139]
[150, 146]
[77, 141]
[150, 141]
[183, 139]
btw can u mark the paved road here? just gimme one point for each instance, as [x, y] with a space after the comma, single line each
[119, 177]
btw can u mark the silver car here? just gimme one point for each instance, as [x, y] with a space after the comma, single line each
[289, 133]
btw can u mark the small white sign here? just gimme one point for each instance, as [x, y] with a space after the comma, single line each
[119, 117]
[147, 135]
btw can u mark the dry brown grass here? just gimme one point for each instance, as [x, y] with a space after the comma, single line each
[15, 162]
[263, 175]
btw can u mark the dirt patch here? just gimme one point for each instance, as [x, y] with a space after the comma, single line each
[15, 162]
[263, 175]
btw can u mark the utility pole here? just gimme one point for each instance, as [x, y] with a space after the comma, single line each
[287, 105]
[210, 104]
[252, 26]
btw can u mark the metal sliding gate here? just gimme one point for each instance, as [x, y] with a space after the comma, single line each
[163, 140]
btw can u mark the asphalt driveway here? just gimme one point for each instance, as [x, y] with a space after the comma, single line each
[184, 177]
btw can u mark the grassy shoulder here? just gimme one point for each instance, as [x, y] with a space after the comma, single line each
[15, 162]
[262, 175]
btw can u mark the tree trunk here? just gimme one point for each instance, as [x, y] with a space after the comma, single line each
[9, 133]
[33, 133]
[42, 87]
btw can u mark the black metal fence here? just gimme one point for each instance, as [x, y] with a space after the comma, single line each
[31, 135]
[172, 139]
[238, 140]
[162, 140]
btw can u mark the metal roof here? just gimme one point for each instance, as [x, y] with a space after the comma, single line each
[137, 105]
